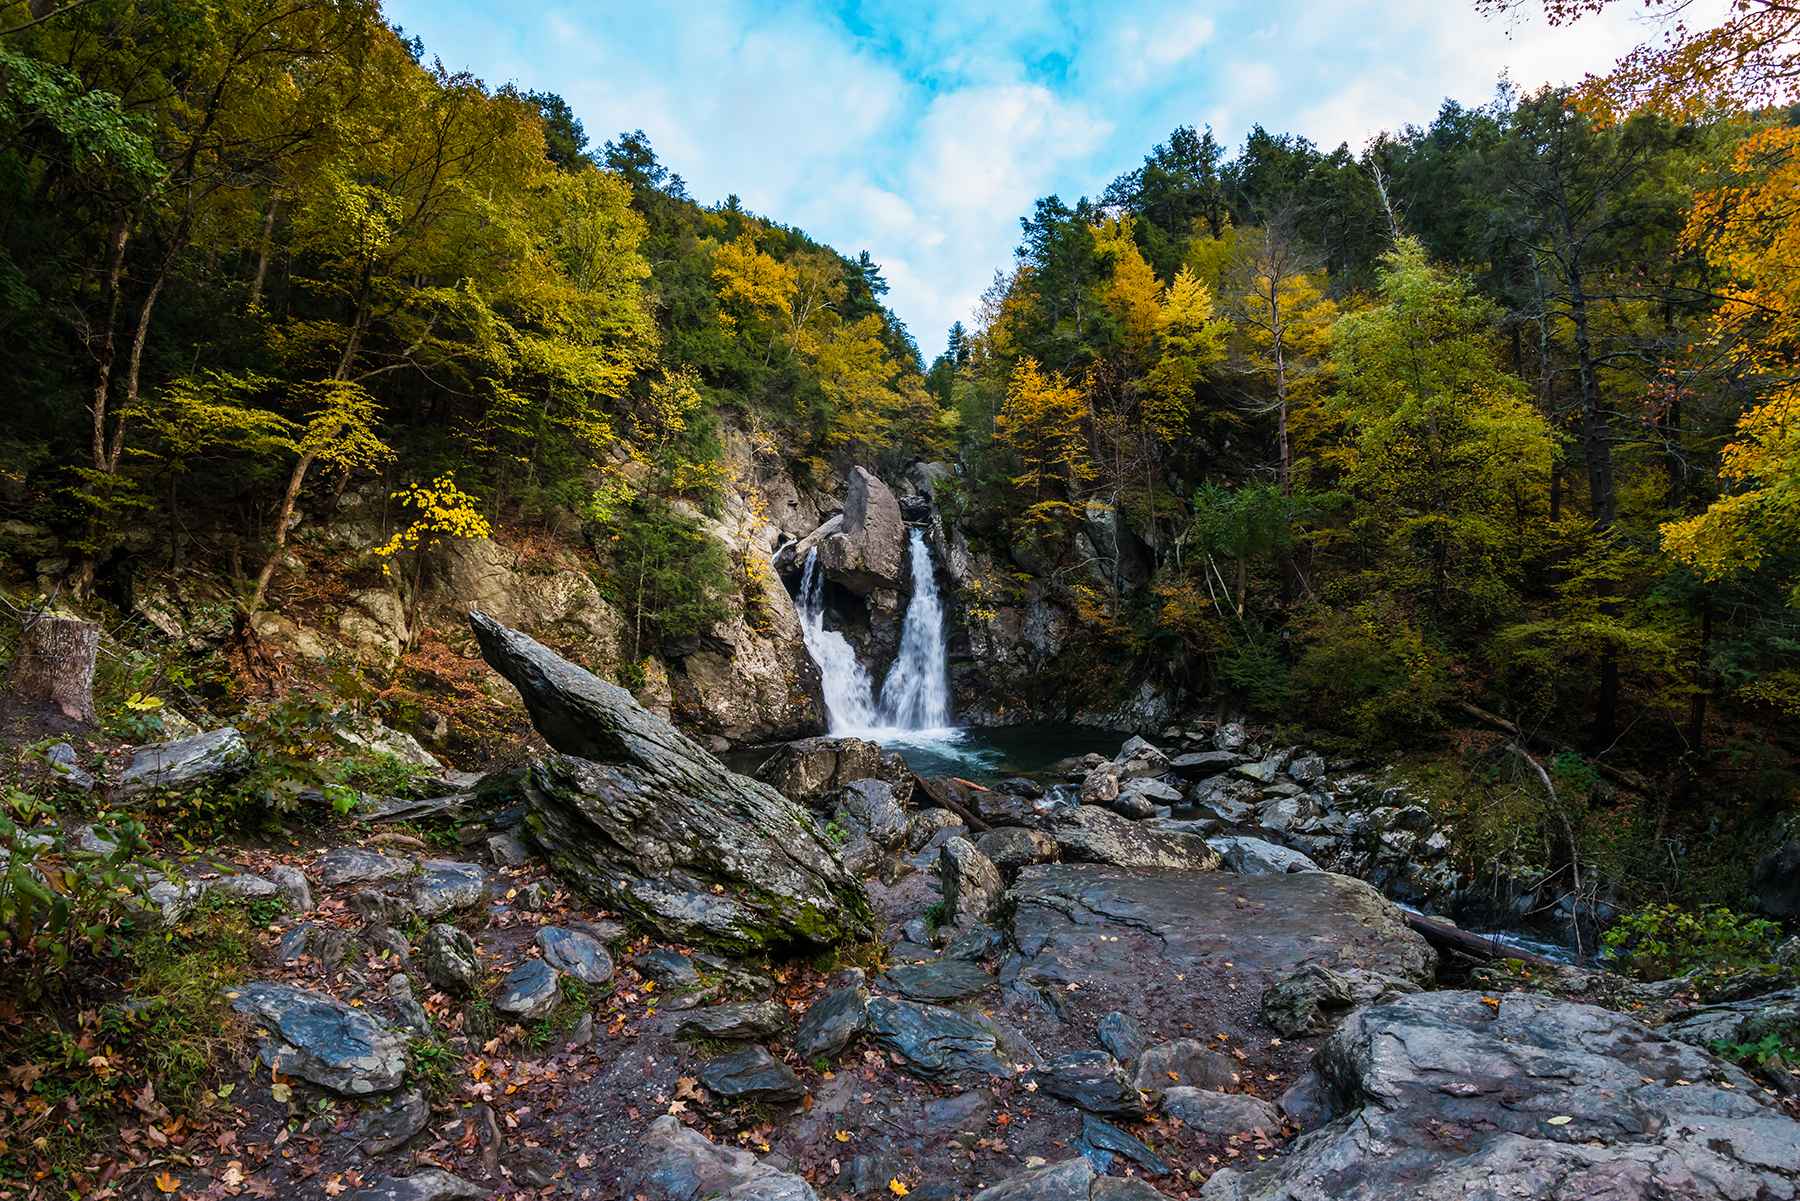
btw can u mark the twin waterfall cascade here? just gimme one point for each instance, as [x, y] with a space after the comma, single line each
[916, 695]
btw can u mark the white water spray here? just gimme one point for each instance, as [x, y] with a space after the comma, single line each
[915, 699]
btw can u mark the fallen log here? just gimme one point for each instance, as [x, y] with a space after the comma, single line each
[941, 794]
[1446, 937]
[1618, 775]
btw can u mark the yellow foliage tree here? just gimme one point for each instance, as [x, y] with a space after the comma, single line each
[1041, 425]
[1132, 294]
[1750, 230]
[439, 510]
[1192, 340]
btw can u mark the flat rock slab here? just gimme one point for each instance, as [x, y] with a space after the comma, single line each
[322, 1040]
[832, 1021]
[934, 1042]
[1179, 949]
[431, 1184]
[945, 980]
[1443, 1095]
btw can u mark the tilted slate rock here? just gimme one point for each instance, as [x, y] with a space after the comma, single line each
[751, 1075]
[934, 1042]
[1102, 1142]
[642, 818]
[1440, 1095]
[1094, 1081]
[1312, 997]
[744, 1022]
[832, 1021]
[872, 807]
[676, 1163]
[576, 954]
[529, 991]
[1120, 1035]
[322, 1040]
[970, 881]
[216, 754]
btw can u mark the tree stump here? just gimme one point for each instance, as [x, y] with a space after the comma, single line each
[55, 665]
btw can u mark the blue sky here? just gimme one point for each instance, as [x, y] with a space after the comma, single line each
[922, 131]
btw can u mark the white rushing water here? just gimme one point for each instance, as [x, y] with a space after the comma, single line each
[914, 705]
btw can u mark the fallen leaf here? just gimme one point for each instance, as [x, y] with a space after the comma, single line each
[897, 1187]
[1561, 1119]
[167, 1183]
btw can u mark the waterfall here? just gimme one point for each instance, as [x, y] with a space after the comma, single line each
[916, 694]
[849, 696]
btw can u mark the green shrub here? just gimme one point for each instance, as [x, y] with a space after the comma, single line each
[1658, 942]
[1369, 672]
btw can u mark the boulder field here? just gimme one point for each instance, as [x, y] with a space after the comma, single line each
[662, 980]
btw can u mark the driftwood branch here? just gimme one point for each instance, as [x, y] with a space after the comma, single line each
[942, 793]
[1628, 780]
[1479, 946]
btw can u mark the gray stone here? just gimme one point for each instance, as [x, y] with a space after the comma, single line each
[1771, 1015]
[933, 1042]
[291, 883]
[508, 850]
[244, 887]
[446, 885]
[1223, 1114]
[670, 970]
[1101, 785]
[1102, 1142]
[450, 960]
[749, 1021]
[393, 1125]
[1092, 1081]
[427, 1184]
[314, 940]
[67, 768]
[1070, 1180]
[659, 828]
[1231, 737]
[927, 824]
[1184, 1061]
[676, 1163]
[810, 770]
[1306, 768]
[1441, 1095]
[216, 754]
[1138, 759]
[1121, 1036]
[1202, 765]
[1310, 999]
[832, 1021]
[322, 1040]
[1013, 847]
[529, 991]
[872, 807]
[970, 881]
[575, 954]
[944, 980]
[1257, 857]
[751, 1075]
[868, 550]
[1089, 834]
[353, 865]
[412, 1014]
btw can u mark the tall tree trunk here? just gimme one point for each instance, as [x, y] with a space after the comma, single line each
[55, 665]
[262, 253]
[104, 350]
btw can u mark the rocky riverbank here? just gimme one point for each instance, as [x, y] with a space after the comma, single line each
[643, 975]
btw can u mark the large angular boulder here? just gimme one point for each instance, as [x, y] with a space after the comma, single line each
[868, 550]
[1455, 1095]
[321, 1039]
[811, 769]
[643, 819]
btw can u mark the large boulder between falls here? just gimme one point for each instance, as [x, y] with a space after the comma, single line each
[811, 769]
[1452, 1095]
[868, 549]
[642, 818]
